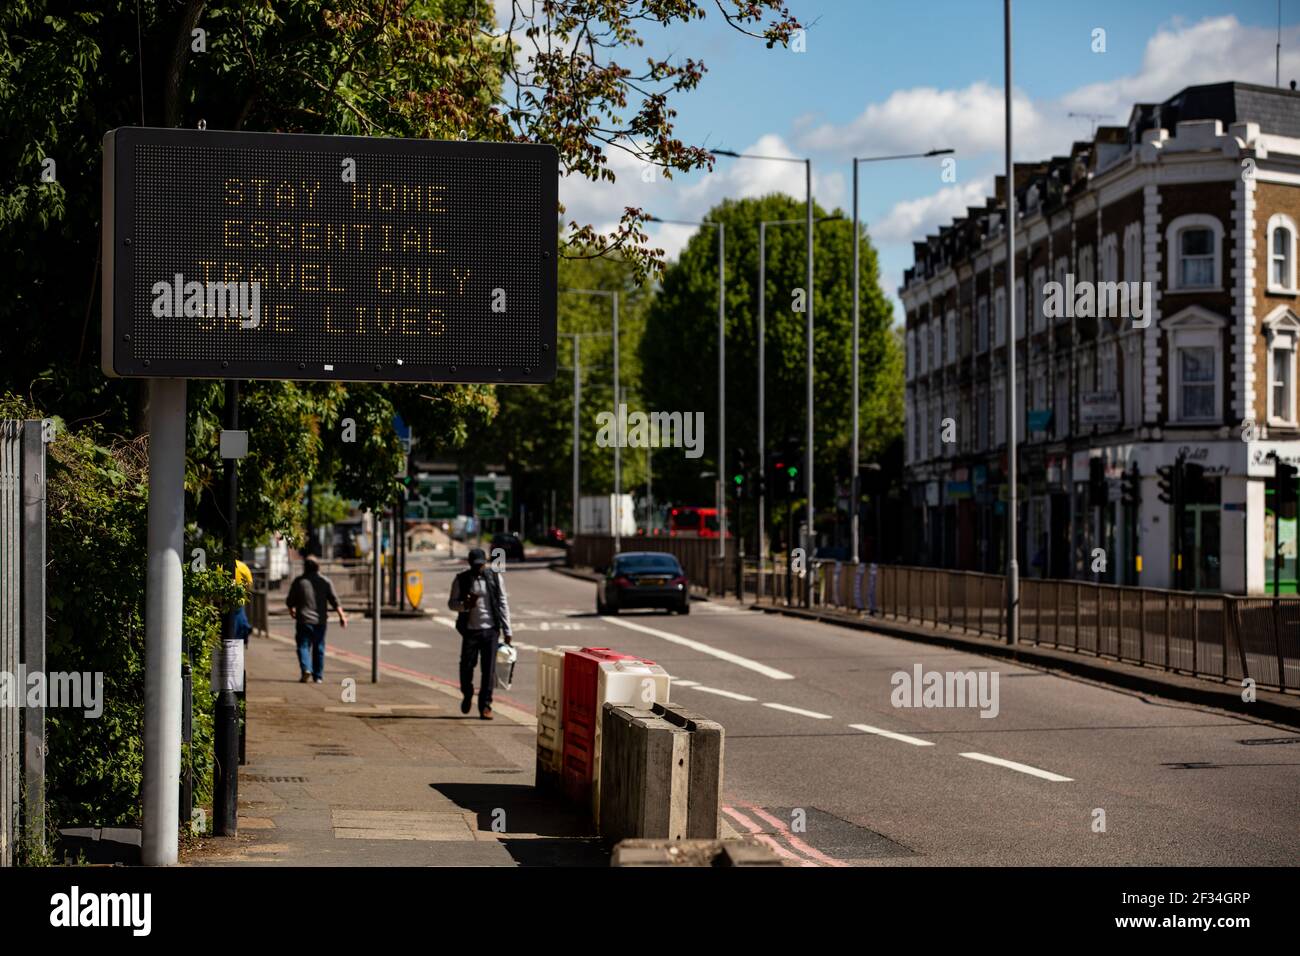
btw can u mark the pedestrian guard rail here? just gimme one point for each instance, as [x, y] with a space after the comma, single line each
[1221, 637]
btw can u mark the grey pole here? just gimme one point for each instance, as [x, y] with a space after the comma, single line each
[808, 458]
[853, 479]
[377, 574]
[722, 400]
[762, 404]
[577, 396]
[616, 518]
[1013, 569]
[160, 784]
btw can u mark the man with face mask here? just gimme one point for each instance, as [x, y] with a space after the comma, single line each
[479, 598]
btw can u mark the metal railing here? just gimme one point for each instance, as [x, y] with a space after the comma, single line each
[1217, 636]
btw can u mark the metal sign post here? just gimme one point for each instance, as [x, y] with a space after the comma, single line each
[162, 622]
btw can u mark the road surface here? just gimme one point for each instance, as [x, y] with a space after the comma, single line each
[822, 765]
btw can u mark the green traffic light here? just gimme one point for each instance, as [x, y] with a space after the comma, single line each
[739, 479]
[792, 471]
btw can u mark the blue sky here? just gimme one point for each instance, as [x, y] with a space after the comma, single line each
[887, 76]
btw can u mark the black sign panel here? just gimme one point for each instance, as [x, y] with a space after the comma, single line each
[284, 256]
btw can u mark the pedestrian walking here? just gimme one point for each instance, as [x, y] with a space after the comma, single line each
[311, 597]
[478, 595]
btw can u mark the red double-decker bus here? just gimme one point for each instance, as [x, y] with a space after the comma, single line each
[691, 522]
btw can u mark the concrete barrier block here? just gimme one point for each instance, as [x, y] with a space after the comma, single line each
[704, 786]
[745, 853]
[644, 776]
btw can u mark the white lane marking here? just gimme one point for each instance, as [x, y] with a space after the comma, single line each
[685, 683]
[915, 741]
[799, 710]
[763, 669]
[1023, 768]
[405, 643]
[722, 693]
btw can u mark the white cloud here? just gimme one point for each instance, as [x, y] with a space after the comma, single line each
[971, 119]
[750, 178]
[1177, 55]
[913, 219]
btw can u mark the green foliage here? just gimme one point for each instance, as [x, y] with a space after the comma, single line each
[96, 527]
[679, 350]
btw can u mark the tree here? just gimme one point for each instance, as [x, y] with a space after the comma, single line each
[532, 436]
[679, 349]
[419, 68]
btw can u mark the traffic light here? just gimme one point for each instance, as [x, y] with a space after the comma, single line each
[1097, 481]
[1132, 487]
[1167, 480]
[1286, 489]
[738, 478]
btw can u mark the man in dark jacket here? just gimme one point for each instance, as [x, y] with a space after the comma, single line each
[478, 595]
[311, 596]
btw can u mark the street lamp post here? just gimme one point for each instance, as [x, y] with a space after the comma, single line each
[808, 306]
[762, 383]
[1013, 568]
[616, 512]
[855, 491]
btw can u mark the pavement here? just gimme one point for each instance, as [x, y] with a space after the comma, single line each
[820, 765]
[347, 772]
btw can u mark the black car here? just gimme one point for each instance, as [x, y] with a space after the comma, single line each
[510, 544]
[643, 579]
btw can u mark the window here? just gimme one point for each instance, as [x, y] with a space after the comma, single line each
[1195, 361]
[1196, 379]
[949, 446]
[936, 423]
[1020, 308]
[982, 425]
[1061, 410]
[1194, 244]
[1000, 412]
[1107, 367]
[938, 343]
[1133, 252]
[1281, 377]
[982, 327]
[1040, 279]
[1282, 330]
[911, 354]
[924, 362]
[918, 431]
[1281, 254]
[1132, 381]
[1021, 420]
[1195, 258]
[1058, 275]
[1000, 317]
[1110, 259]
[952, 336]
[1086, 270]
